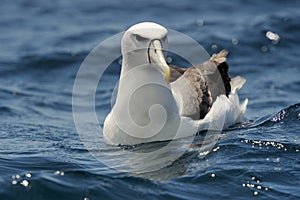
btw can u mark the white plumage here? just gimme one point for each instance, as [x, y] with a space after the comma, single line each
[148, 108]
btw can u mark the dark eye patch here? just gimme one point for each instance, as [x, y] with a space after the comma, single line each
[140, 38]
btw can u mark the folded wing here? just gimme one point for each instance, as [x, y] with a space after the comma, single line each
[196, 88]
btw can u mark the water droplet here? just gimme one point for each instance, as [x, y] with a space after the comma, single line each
[57, 172]
[169, 59]
[25, 183]
[28, 175]
[277, 168]
[253, 178]
[18, 176]
[86, 198]
[216, 149]
[214, 47]
[234, 41]
[258, 187]
[200, 22]
[14, 182]
[264, 48]
[255, 193]
[273, 36]
[213, 175]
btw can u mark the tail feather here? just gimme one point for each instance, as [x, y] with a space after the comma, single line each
[237, 83]
[219, 57]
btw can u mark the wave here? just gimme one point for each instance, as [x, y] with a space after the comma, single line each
[41, 62]
[287, 115]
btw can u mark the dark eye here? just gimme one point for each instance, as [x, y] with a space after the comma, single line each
[140, 38]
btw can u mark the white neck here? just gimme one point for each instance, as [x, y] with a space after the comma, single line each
[142, 86]
[134, 59]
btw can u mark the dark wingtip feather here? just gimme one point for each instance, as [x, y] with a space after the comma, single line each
[220, 60]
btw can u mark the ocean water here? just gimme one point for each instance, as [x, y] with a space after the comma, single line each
[42, 45]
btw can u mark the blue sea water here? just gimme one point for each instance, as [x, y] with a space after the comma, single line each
[43, 44]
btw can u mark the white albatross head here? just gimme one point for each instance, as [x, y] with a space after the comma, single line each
[145, 43]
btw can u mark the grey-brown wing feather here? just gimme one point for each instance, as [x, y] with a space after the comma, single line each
[176, 72]
[199, 86]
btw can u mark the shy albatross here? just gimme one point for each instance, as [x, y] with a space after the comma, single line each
[158, 102]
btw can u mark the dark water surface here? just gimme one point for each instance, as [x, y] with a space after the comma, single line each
[42, 45]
